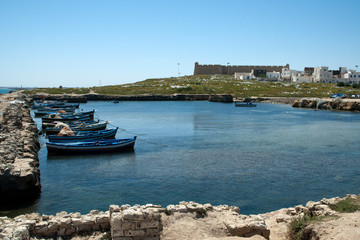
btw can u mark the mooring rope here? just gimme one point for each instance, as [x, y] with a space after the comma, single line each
[136, 134]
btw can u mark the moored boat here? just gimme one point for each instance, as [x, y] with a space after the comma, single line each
[244, 104]
[84, 135]
[68, 118]
[55, 104]
[60, 114]
[78, 127]
[48, 111]
[104, 145]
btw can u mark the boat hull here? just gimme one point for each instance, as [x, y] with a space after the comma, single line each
[93, 146]
[85, 136]
[92, 127]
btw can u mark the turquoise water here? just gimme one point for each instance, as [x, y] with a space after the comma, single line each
[259, 159]
[5, 90]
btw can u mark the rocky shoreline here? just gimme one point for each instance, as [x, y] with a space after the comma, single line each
[186, 220]
[19, 146]
[81, 98]
[328, 104]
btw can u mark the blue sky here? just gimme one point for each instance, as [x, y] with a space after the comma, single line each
[80, 43]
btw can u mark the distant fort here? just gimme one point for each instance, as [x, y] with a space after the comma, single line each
[230, 70]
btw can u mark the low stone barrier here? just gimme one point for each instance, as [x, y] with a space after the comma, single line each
[146, 222]
[19, 173]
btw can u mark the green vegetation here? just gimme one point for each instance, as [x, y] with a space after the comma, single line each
[347, 205]
[59, 90]
[212, 84]
[298, 227]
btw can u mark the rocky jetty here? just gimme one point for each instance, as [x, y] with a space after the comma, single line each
[19, 173]
[328, 104]
[186, 220]
[146, 97]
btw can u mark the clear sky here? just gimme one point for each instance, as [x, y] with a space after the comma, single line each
[82, 43]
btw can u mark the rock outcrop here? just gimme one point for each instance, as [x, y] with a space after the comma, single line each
[19, 173]
[328, 104]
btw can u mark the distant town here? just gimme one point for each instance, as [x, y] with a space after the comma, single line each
[283, 73]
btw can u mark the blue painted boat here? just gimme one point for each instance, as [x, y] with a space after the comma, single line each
[105, 145]
[48, 111]
[85, 135]
[54, 104]
[69, 115]
[68, 118]
[244, 104]
[82, 126]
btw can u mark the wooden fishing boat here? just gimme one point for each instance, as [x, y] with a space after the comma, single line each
[244, 104]
[68, 118]
[79, 127]
[47, 111]
[55, 105]
[85, 135]
[69, 115]
[104, 145]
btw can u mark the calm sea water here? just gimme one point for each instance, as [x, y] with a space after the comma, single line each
[259, 159]
[5, 90]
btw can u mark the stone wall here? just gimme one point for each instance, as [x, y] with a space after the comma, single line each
[19, 173]
[153, 222]
[230, 70]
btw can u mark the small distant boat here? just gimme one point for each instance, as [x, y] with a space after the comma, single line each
[104, 145]
[244, 104]
[116, 101]
[78, 127]
[85, 136]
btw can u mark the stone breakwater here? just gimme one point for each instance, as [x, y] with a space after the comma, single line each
[146, 97]
[186, 220]
[19, 173]
[328, 104]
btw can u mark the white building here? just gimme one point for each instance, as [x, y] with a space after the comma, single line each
[286, 74]
[244, 75]
[322, 75]
[273, 76]
[301, 78]
[354, 77]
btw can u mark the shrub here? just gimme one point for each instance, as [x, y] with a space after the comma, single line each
[355, 85]
[340, 84]
[298, 227]
[347, 205]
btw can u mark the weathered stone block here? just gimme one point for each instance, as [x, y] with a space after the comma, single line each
[149, 224]
[134, 233]
[116, 233]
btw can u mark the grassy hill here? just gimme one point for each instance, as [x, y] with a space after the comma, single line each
[211, 84]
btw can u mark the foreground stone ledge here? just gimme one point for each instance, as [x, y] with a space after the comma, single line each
[141, 222]
[19, 173]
